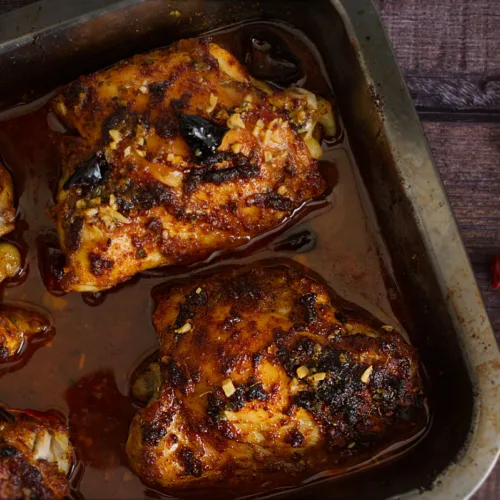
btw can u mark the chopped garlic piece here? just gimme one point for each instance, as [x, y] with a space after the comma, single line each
[302, 371]
[91, 212]
[115, 135]
[143, 89]
[235, 121]
[258, 128]
[267, 136]
[228, 387]
[108, 212]
[365, 378]
[127, 151]
[294, 385]
[186, 327]
[199, 290]
[213, 102]
[318, 377]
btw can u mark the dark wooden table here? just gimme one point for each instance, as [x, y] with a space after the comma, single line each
[449, 51]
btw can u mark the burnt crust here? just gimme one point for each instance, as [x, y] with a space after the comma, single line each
[130, 159]
[273, 340]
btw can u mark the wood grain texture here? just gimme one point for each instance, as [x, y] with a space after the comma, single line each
[449, 51]
[468, 158]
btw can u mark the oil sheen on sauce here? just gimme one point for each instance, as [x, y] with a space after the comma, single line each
[84, 371]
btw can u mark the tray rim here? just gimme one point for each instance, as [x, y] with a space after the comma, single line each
[433, 214]
[425, 192]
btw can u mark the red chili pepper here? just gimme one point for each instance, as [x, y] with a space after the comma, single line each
[495, 271]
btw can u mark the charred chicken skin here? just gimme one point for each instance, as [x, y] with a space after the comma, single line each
[18, 326]
[262, 370]
[175, 154]
[35, 456]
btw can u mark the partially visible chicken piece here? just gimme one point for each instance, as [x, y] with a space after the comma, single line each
[10, 261]
[174, 155]
[35, 456]
[7, 211]
[18, 326]
[261, 370]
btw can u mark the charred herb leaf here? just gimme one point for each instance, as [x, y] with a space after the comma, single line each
[201, 135]
[269, 59]
[301, 242]
[89, 173]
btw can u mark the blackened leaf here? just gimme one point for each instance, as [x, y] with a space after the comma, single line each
[201, 135]
[89, 173]
[301, 242]
[268, 58]
[241, 169]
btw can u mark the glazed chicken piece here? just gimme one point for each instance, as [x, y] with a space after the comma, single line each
[10, 258]
[10, 261]
[35, 456]
[18, 326]
[7, 211]
[175, 154]
[261, 370]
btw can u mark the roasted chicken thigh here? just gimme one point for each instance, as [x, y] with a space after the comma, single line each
[7, 211]
[262, 370]
[18, 326]
[35, 456]
[175, 154]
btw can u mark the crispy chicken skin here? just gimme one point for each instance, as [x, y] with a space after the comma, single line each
[17, 327]
[7, 211]
[175, 154]
[35, 456]
[261, 370]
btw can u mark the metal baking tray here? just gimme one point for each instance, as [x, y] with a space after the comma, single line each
[53, 41]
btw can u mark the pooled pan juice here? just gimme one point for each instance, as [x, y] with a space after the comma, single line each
[323, 243]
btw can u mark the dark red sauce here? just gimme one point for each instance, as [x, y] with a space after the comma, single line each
[84, 371]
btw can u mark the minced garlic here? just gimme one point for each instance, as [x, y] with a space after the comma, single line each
[186, 327]
[228, 387]
[365, 377]
[235, 121]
